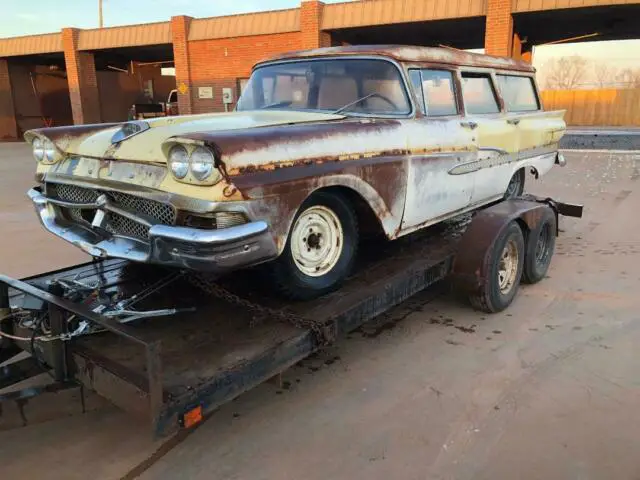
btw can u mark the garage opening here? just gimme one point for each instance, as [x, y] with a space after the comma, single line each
[136, 82]
[40, 91]
[462, 33]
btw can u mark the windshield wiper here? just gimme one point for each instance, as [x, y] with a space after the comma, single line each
[284, 103]
[351, 104]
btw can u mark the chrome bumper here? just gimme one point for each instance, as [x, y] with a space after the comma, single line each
[204, 250]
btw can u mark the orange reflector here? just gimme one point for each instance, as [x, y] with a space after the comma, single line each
[193, 416]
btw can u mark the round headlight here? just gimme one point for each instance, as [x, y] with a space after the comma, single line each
[201, 163]
[179, 161]
[49, 150]
[38, 149]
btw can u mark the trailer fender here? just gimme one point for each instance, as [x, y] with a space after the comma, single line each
[473, 258]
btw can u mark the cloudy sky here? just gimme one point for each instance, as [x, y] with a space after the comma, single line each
[26, 17]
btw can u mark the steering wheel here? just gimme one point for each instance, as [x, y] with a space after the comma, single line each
[386, 99]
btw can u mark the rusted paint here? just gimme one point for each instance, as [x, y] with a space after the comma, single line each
[402, 53]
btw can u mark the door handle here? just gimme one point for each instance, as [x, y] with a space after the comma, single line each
[470, 125]
[513, 121]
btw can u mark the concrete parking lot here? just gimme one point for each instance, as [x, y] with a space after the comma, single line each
[548, 389]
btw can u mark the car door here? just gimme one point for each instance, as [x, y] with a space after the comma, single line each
[496, 136]
[538, 131]
[438, 144]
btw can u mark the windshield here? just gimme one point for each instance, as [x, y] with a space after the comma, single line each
[350, 85]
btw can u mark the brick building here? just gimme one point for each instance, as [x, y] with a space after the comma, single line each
[87, 76]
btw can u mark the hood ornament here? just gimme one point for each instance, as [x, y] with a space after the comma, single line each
[129, 129]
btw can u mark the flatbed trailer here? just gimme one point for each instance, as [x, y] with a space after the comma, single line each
[178, 368]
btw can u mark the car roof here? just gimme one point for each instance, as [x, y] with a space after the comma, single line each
[405, 53]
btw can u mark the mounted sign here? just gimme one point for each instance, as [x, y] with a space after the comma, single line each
[205, 92]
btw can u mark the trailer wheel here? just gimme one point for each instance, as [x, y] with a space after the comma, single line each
[504, 273]
[320, 250]
[516, 185]
[541, 244]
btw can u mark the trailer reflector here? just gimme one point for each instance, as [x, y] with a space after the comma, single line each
[192, 417]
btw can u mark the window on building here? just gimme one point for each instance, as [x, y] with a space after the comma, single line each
[519, 93]
[478, 94]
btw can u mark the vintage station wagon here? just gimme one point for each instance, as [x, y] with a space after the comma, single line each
[323, 146]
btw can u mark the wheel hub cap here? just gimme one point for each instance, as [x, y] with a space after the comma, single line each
[316, 241]
[508, 267]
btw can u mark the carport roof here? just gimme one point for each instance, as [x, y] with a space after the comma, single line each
[403, 53]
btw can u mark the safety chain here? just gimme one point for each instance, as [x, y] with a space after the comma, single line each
[322, 331]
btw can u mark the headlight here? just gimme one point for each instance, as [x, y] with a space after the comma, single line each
[38, 149]
[179, 161]
[202, 163]
[49, 150]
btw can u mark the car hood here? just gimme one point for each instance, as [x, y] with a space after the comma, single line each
[95, 141]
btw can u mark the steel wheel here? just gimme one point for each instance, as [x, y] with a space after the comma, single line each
[317, 239]
[508, 267]
[516, 185]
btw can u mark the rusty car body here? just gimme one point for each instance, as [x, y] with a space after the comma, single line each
[389, 138]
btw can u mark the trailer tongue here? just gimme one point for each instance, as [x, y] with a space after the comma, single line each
[154, 345]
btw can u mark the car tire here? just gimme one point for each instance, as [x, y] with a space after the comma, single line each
[516, 185]
[502, 280]
[540, 246]
[320, 250]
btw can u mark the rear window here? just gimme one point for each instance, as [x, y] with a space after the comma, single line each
[478, 94]
[519, 93]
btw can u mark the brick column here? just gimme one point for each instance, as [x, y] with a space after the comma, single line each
[8, 125]
[82, 80]
[498, 37]
[310, 20]
[180, 36]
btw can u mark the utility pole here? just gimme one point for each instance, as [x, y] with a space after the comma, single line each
[100, 22]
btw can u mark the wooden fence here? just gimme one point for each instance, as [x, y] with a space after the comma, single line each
[603, 107]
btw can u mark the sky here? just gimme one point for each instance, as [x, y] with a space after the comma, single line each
[27, 17]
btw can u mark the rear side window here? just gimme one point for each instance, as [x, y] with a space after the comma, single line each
[478, 94]
[519, 93]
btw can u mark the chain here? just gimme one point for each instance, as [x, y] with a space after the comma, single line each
[321, 331]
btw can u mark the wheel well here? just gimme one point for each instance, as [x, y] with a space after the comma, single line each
[368, 223]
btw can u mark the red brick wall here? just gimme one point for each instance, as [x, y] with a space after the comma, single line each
[180, 35]
[81, 75]
[220, 63]
[8, 126]
[499, 28]
[310, 18]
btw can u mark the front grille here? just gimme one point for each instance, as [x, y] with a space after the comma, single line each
[157, 212]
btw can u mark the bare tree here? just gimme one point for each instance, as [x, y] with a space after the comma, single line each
[630, 77]
[605, 74]
[565, 73]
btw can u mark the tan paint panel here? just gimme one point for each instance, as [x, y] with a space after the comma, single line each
[263, 23]
[381, 12]
[532, 5]
[128, 36]
[33, 44]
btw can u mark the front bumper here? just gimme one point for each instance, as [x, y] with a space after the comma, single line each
[197, 249]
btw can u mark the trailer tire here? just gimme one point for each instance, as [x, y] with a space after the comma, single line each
[541, 244]
[326, 216]
[504, 272]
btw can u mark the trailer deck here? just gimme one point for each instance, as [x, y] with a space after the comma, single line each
[178, 368]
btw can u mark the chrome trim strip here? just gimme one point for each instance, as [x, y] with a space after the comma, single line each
[197, 236]
[502, 158]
